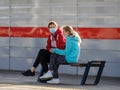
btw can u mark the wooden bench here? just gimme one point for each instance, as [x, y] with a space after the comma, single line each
[99, 64]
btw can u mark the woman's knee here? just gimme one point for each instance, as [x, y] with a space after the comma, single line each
[53, 55]
[42, 51]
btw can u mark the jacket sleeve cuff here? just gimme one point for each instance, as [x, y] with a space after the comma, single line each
[53, 50]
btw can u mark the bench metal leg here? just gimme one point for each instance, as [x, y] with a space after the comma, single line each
[85, 73]
[98, 76]
[99, 72]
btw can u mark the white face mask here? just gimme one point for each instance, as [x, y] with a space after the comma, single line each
[52, 30]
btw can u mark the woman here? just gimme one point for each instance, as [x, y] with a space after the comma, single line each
[56, 39]
[69, 55]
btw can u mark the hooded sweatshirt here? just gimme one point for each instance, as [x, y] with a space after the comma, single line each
[56, 40]
[72, 49]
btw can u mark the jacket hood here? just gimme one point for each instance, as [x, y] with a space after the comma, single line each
[58, 31]
[75, 38]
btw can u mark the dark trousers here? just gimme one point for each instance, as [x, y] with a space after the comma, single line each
[43, 57]
[55, 60]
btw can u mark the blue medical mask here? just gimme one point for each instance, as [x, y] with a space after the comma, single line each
[52, 30]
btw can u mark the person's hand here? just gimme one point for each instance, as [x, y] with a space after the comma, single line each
[50, 50]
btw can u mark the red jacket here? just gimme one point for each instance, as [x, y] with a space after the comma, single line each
[59, 39]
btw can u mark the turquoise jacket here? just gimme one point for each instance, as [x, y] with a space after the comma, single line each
[72, 49]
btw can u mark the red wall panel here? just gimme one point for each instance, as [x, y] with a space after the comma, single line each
[43, 32]
[4, 31]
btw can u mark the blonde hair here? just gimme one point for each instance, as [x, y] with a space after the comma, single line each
[52, 22]
[69, 29]
[72, 32]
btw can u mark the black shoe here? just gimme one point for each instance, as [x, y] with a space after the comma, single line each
[28, 73]
[43, 81]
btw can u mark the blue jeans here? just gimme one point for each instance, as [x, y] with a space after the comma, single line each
[55, 60]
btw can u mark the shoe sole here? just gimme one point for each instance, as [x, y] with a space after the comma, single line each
[53, 83]
[46, 78]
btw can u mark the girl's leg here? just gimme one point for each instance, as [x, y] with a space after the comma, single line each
[45, 59]
[51, 68]
[42, 55]
[59, 60]
[52, 63]
[55, 60]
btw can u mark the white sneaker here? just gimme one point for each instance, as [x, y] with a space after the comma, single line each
[46, 76]
[54, 81]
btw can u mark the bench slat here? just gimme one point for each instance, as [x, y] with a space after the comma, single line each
[93, 64]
